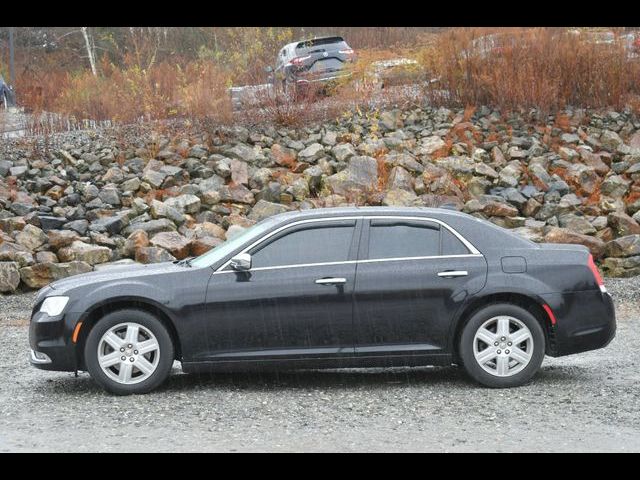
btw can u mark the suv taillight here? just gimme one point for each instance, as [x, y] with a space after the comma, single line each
[298, 60]
[596, 274]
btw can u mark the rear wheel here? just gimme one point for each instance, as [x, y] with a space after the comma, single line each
[129, 351]
[502, 345]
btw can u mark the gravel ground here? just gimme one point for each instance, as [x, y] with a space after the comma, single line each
[587, 402]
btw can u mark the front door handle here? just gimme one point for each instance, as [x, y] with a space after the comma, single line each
[331, 281]
[453, 273]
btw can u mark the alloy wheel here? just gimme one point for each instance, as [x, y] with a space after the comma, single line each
[503, 346]
[128, 353]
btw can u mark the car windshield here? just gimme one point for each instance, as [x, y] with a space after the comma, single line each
[218, 253]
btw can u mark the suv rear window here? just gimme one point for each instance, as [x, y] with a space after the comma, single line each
[319, 41]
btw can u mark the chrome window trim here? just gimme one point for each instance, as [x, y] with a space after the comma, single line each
[474, 251]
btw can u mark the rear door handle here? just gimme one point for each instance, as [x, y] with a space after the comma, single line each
[453, 273]
[331, 281]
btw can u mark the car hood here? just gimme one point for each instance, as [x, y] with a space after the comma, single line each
[114, 273]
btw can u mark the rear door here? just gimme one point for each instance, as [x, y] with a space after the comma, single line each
[412, 276]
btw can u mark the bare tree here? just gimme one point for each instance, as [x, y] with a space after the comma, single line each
[91, 49]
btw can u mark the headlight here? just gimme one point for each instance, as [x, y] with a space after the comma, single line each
[53, 306]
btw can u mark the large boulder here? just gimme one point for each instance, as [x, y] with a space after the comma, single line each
[61, 238]
[312, 153]
[31, 237]
[563, 235]
[151, 227]
[360, 175]
[9, 277]
[184, 203]
[173, 242]
[84, 252]
[153, 255]
[621, 267]
[394, 198]
[264, 209]
[627, 246]
[42, 274]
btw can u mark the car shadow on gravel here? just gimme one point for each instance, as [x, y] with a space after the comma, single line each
[345, 379]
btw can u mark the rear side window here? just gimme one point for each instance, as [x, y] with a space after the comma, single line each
[313, 244]
[403, 239]
[406, 239]
[451, 245]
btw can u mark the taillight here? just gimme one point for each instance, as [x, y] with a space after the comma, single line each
[298, 60]
[596, 274]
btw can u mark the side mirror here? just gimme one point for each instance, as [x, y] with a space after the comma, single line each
[268, 69]
[241, 262]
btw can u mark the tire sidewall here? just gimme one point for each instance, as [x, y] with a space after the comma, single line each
[469, 362]
[148, 321]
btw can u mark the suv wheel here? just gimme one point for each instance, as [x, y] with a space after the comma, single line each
[502, 345]
[129, 351]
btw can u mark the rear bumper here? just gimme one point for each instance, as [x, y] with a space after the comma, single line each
[50, 342]
[585, 321]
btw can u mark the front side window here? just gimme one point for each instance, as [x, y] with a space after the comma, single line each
[305, 245]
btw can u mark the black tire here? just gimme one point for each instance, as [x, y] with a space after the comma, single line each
[148, 321]
[473, 367]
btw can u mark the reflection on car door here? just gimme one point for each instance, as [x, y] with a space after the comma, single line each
[412, 275]
[295, 302]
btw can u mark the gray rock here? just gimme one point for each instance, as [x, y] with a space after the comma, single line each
[173, 242]
[615, 186]
[361, 174]
[312, 153]
[576, 223]
[48, 223]
[41, 274]
[263, 209]
[610, 140]
[9, 277]
[154, 178]
[153, 255]
[110, 196]
[627, 246]
[113, 225]
[242, 152]
[399, 198]
[84, 252]
[31, 237]
[184, 203]
[151, 227]
[343, 152]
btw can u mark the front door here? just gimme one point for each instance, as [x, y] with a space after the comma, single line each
[412, 276]
[295, 302]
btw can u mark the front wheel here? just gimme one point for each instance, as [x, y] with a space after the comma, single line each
[502, 345]
[128, 352]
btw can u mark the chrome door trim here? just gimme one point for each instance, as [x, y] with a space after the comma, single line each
[331, 281]
[474, 251]
[453, 273]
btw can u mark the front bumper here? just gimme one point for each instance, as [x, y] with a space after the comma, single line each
[585, 321]
[50, 342]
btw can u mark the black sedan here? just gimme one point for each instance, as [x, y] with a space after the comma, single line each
[331, 288]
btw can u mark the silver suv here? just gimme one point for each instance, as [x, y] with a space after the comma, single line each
[319, 60]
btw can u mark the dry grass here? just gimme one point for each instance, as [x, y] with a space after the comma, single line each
[545, 68]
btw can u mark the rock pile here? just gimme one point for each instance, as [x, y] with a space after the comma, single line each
[92, 200]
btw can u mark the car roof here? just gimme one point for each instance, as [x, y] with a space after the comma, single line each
[368, 211]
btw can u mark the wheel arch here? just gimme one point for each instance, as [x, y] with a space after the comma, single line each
[529, 302]
[98, 311]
